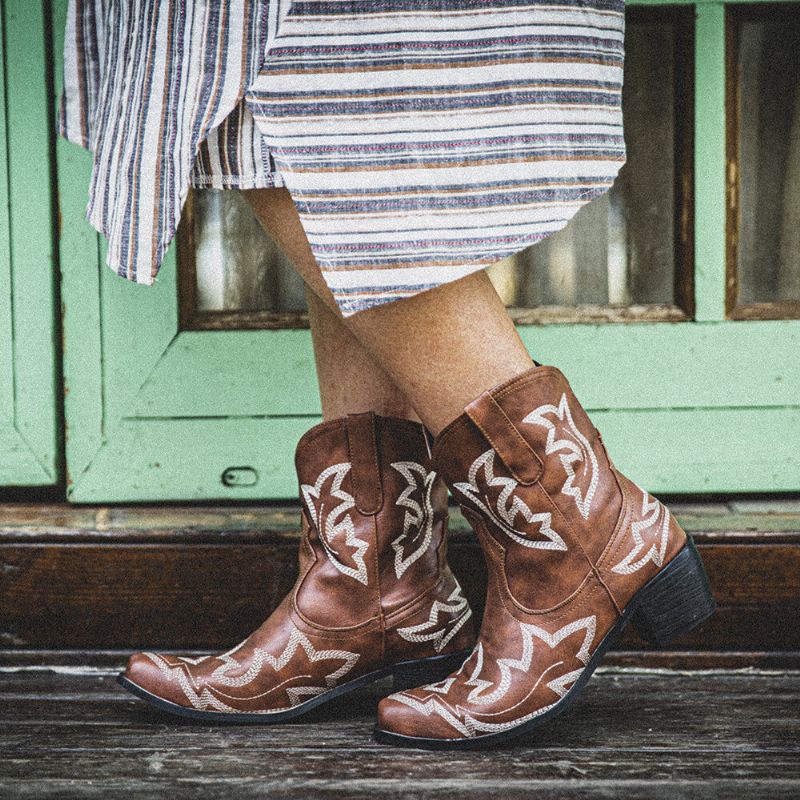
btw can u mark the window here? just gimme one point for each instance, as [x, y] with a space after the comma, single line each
[763, 43]
[625, 256]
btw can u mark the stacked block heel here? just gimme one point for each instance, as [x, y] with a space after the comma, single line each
[676, 601]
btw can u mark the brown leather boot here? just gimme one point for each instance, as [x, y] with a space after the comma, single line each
[574, 550]
[374, 596]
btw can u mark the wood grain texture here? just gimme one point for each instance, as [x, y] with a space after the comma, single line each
[632, 734]
[212, 595]
[181, 458]
[203, 577]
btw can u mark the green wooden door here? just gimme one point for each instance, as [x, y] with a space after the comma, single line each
[696, 400]
[30, 453]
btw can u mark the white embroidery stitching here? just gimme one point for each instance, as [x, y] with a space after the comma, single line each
[202, 701]
[651, 512]
[418, 520]
[205, 699]
[479, 684]
[470, 726]
[442, 687]
[578, 451]
[431, 706]
[456, 606]
[329, 528]
[523, 663]
[509, 506]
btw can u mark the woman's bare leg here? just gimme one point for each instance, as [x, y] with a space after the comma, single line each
[445, 346]
[442, 347]
[350, 381]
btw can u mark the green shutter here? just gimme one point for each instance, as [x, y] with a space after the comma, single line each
[29, 414]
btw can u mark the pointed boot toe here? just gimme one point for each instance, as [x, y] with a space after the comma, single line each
[141, 670]
[146, 676]
[404, 718]
[394, 716]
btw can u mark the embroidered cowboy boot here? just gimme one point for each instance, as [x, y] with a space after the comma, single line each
[574, 551]
[374, 595]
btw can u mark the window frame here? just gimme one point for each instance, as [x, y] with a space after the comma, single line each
[682, 309]
[736, 310]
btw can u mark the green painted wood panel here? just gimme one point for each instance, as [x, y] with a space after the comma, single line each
[80, 290]
[668, 451]
[154, 413]
[30, 436]
[6, 327]
[710, 160]
[663, 365]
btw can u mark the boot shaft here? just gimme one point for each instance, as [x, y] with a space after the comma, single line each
[374, 517]
[533, 476]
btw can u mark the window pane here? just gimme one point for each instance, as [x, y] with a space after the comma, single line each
[768, 145]
[618, 250]
[238, 265]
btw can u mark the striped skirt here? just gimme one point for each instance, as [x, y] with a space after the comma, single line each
[421, 140]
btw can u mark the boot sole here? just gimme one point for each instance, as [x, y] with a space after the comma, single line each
[673, 602]
[406, 675]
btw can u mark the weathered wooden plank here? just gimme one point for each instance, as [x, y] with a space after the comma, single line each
[104, 594]
[81, 334]
[355, 790]
[139, 323]
[272, 373]
[181, 558]
[212, 759]
[710, 163]
[697, 735]
[719, 450]
[184, 459]
[775, 521]
[6, 322]
[109, 662]
[699, 365]
[19, 465]
[178, 594]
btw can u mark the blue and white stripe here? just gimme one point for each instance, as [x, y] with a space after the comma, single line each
[420, 140]
[153, 88]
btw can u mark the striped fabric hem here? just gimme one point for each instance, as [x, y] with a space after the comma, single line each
[153, 88]
[420, 141]
[425, 141]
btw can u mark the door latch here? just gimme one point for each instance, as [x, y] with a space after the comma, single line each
[239, 476]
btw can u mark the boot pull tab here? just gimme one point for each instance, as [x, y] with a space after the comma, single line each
[428, 437]
[519, 457]
[362, 447]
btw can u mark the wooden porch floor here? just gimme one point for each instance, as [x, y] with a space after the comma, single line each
[72, 732]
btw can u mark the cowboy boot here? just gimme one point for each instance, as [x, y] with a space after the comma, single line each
[574, 551]
[374, 596]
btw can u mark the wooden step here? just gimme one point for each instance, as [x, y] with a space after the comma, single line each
[200, 577]
[633, 734]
